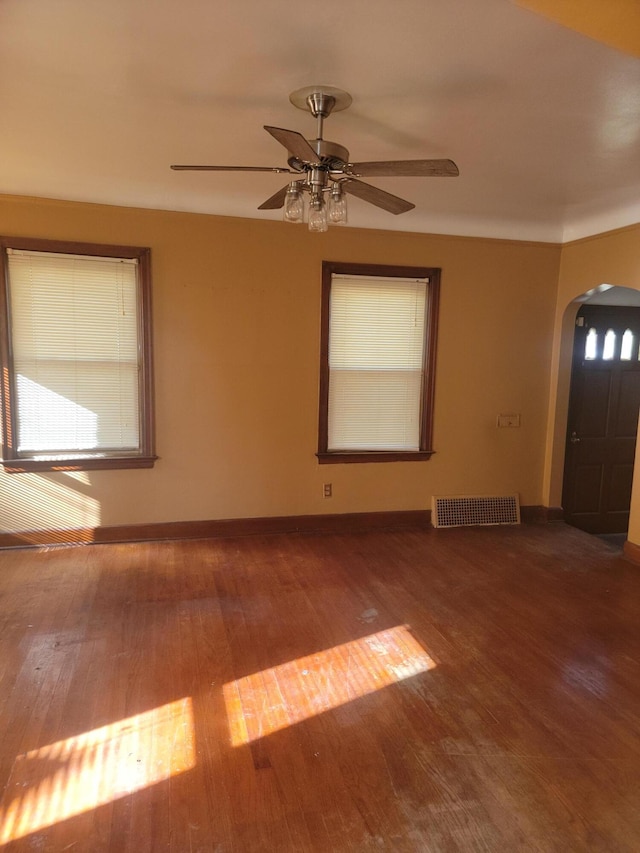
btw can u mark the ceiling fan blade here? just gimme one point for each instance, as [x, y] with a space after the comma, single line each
[294, 142]
[380, 198]
[276, 200]
[229, 168]
[405, 169]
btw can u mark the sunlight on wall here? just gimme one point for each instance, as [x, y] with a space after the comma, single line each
[72, 776]
[37, 502]
[267, 701]
[80, 476]
[616, 23]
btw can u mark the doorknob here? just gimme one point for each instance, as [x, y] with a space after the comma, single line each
[574, 438]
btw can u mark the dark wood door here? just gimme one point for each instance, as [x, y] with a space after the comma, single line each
[603, 419]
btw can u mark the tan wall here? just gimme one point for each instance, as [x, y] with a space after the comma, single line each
[613, 259]
[236, 329]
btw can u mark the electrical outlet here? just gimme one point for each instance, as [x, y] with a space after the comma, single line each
[509, 420]
[326, 490]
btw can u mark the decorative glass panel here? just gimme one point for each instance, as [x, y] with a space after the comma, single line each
[591, 344]
[627, 346]
[609, 345]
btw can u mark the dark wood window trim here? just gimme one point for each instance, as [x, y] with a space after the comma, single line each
[11, 461]
[425, 451]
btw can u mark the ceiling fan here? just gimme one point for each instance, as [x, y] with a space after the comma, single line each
[323, 168]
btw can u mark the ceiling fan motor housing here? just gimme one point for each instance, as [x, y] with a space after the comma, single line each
[331, 156]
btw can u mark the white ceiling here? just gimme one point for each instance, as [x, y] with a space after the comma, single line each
[98, 97]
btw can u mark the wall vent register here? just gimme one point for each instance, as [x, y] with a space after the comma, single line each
[469, 510]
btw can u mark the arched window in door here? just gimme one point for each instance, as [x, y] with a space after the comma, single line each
[591, 344]
[626, 350]
[609, 348]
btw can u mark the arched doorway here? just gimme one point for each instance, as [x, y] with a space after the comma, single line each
[603, 412]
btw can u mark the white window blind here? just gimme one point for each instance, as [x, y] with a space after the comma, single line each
[376, 363]
[74, 328]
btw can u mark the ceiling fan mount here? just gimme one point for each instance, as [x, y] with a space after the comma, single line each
[323, 168]
[320, 100]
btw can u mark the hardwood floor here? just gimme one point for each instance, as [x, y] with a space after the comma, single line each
[465, 690]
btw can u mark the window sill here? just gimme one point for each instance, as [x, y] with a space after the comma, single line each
[21, 466]
[338, 457]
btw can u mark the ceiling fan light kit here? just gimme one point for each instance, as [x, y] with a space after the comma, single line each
[324, 171]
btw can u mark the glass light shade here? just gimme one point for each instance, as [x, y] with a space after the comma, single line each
[337, 211]
[318, 216]
[293, 204]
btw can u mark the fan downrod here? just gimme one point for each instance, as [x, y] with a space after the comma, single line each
[321, 101]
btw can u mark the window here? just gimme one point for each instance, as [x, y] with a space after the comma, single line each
[609, 345]
[627, 351]
[377, 369]
[591, 344]
[76, 356]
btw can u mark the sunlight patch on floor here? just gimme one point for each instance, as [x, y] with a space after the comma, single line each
[72, 776]
[267, 701]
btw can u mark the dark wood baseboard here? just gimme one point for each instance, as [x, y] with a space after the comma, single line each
[219, 528]
[632, 552]
[541, 514]
[225, 528]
